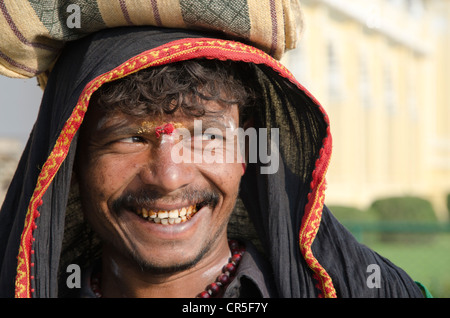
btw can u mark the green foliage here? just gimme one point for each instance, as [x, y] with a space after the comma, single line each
[398, 228]
[351, 214]
[406, 209]
[448, 203]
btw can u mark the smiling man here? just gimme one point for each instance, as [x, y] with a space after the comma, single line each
[101, 186]
[164, 224]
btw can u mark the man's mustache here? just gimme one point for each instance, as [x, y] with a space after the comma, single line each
[146, 198]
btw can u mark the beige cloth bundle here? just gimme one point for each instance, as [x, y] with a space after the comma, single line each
[33, 32]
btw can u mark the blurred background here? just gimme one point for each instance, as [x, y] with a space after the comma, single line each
[381, 69]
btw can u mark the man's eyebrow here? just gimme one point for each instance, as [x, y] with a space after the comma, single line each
[110, 125]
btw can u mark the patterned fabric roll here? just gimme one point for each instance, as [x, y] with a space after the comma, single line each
[34, 31]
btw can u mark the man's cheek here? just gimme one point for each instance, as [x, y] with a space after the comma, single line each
[231, 177]
[97, 181]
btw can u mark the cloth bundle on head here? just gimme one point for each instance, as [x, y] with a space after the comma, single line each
[33, 32]
[311, 255]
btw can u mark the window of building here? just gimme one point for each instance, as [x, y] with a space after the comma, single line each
[299, 65]
[415, 8]
[334, 72]
[397, 3]
[364, 79]
[389, 89]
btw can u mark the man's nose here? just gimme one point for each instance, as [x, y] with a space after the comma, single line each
[165, 173]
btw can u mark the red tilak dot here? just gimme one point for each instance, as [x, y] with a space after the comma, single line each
[32, 264]
[168, 128]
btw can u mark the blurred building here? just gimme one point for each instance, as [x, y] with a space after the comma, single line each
[381, 69]
[10, 151]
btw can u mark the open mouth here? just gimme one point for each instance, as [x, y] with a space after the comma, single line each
[169, 217]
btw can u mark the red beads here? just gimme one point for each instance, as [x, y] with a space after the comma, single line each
[224, 279]
[234, 245]
[236, 258]
[230, 268]
[228, 271]
[213, 289]
[203, 294]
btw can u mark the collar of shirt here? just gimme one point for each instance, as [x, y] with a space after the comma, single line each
[254, 277]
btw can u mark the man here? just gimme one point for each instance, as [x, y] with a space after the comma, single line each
[164, 224]
[101, 184]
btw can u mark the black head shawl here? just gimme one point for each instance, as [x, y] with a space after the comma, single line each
[311, 254]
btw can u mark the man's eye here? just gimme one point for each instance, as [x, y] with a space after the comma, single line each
[208, 137]
[133, 139]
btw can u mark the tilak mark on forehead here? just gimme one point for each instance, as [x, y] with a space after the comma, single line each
[162, 129]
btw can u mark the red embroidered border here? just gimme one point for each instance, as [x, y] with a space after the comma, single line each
[311, 220]
[172, 52]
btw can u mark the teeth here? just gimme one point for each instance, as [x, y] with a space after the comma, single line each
[168, 217]
[163, 215]
[173, 214]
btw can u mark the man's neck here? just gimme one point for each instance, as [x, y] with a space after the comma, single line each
[122, 277]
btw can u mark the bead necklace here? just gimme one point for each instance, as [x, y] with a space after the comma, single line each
[214, 289]
[217, 288]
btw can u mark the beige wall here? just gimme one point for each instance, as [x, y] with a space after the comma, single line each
[382, 74]
[10, 150]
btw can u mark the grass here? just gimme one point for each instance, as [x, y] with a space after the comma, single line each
[426, 262]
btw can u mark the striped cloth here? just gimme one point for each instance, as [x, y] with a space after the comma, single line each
[33, 31]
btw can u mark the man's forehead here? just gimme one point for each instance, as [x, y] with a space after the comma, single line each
[221, 118]
[213, 111]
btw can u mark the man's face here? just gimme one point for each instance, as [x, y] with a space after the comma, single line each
[126, 172]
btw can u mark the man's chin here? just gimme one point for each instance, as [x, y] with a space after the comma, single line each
[166, 264]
